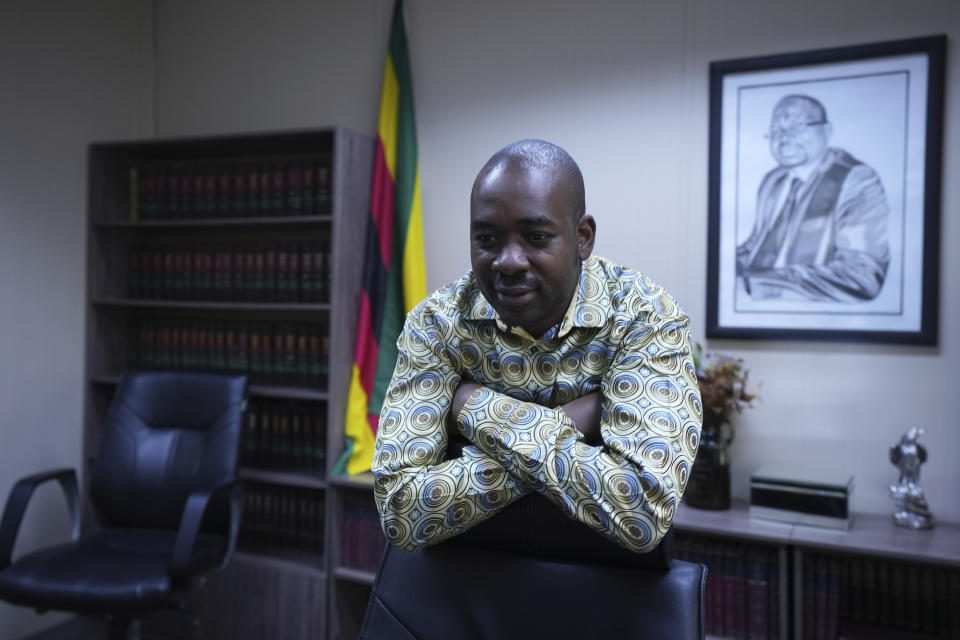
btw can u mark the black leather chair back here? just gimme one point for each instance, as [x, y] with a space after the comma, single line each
[530, 572]
[166, 434]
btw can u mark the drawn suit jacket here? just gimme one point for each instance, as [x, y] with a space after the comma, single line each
[836, 248]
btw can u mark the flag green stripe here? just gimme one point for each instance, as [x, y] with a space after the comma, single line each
[404, 180]
[406, 157]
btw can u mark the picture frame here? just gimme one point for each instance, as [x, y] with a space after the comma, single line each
[824, 194]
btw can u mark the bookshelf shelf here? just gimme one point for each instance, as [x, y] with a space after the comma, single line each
[284, 560]
[359, 482]
[260, 390]
[294, 479]
[290, 393]
[204, 305]
[269, 221]
[241, 253]
[872, 534]
[357, 576]
[733, 522]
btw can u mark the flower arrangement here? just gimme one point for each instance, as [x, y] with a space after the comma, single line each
[723, 386]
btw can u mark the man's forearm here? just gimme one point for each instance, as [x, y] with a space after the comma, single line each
[584, 412]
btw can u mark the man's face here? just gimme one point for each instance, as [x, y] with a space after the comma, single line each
[526, 247]
[798, 134]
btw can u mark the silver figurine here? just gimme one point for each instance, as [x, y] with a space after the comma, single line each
[911, 510]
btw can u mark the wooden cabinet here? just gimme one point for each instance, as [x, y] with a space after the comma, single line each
[356, 547]
[873, 581]
[241, 254]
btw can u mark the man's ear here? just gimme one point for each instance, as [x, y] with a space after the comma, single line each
[586, 234]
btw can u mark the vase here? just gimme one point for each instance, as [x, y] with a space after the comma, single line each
[709, 484]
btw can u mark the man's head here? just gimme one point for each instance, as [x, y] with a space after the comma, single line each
[799, 131]
[528, 233]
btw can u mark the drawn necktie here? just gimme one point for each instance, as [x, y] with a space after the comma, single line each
[767, 253]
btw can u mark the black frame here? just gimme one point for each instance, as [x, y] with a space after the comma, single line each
[933, 48]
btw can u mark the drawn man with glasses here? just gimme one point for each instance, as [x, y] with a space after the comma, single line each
[820, 231]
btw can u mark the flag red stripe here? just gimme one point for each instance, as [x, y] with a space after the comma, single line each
[365, 355]
[381, 203]
[374, 420]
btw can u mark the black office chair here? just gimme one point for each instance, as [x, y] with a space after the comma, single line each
[165, 492]
[530, 572]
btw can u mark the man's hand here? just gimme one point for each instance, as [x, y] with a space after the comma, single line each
[460, 397]
[585, 413]
[455, 441]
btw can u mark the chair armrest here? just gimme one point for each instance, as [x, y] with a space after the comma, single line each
[193, 511]
[17, 504]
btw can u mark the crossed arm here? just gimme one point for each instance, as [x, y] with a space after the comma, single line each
[616, 460]
[584, 412]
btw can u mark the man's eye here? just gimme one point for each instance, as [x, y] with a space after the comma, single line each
[484, 239]
[538, 237]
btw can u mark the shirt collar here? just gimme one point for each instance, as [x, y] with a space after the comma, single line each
[590, 306]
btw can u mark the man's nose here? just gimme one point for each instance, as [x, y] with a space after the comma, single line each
[511, 259]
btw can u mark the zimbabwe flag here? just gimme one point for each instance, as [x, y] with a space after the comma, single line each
[394, 276]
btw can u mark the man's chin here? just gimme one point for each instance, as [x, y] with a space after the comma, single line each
[515, 317]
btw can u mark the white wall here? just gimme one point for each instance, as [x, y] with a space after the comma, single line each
[623, 85]
[70, 73]
[225, 66]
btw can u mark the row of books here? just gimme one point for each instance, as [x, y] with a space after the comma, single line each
[821, 597]
[285, 434]
[279, 354]
[258, 272]
[363, 540]
[299, 187]
[873, 593]
[743, 586]
[282, 517]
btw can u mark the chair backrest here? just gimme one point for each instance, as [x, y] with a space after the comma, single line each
[461, 591]
[166, 435]
[530, 572]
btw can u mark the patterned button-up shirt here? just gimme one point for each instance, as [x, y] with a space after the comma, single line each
[623, 336]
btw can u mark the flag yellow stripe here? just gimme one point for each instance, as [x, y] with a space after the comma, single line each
[387, 128]
[357, 428]
[414, 269]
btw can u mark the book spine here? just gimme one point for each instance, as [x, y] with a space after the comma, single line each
[322, 191]
[253, 190]
[251, 435]
[238, 192]
[294, 190]
[224, 192]
[757, 585]
[773, 592]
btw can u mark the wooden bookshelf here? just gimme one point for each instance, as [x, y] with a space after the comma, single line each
[271, 221]
[834, 558]
[355, 575]
[239, 307]
[283, 477]
[191, 202]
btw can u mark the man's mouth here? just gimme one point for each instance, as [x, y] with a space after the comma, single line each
[514, 293]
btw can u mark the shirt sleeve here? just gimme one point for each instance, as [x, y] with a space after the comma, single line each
[423, 498]
[628, 488]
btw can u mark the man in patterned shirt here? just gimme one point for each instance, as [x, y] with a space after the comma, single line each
[566, 374]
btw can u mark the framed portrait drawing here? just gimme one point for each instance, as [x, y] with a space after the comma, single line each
[824, 194]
